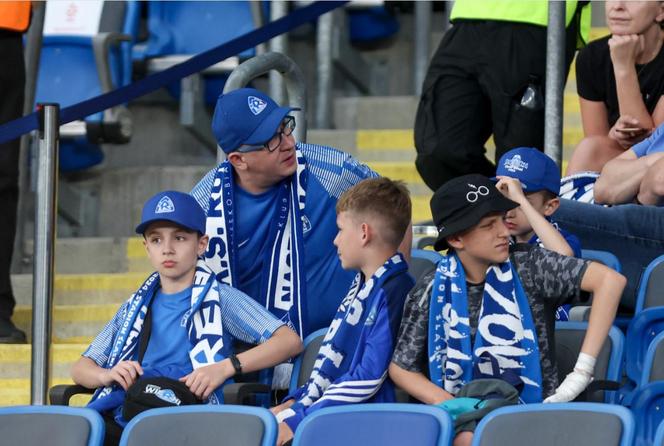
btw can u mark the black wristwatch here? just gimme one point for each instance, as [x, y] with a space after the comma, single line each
[237, 365]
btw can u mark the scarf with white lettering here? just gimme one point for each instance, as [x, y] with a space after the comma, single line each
[283, 279]
[203, 322]
[337, 351]
[505, 332]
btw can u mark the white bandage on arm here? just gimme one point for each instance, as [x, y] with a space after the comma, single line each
[576, 382]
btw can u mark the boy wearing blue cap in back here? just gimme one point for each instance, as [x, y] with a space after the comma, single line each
[192, 323]
[530, 178]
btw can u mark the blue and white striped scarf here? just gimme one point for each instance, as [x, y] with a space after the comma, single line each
[203, 322]
[283, 290]
[579, 187]
[505, 331]
[337, 351]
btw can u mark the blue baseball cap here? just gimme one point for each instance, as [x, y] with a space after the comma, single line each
[246, 116]
[534, 169]
[177, 207]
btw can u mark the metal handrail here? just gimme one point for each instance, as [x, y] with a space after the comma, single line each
[555, 77]
[296, 88]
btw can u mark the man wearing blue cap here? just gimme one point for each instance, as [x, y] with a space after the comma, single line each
[181, 323]
[271, 211]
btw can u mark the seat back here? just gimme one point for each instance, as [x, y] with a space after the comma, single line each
[379, 424]
[50, 425]
[651, 286]
[647, 409]
[304, 363]
[603, 257]
[190, 27]
[653, 365]
[569, 337]
[202, 424]
[641, 331]
[587, 424]
[421, 261]
[659, 436]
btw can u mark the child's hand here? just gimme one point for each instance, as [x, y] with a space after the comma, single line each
[204, 380]
[511, 188]
[125, 373]
[281, 407]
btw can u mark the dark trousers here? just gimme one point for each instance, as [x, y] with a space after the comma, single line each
[12, 83]
[472, 90]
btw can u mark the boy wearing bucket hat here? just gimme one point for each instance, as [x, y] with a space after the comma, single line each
[180, 323]
[484, 306]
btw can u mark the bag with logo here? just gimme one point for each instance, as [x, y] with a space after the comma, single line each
[154, 392]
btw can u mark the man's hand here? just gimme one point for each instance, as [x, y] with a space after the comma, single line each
[625, 50]
[576, 382]
[511, 188]
[204, 380]
[627, 131]
[281, 407]
[285, 434]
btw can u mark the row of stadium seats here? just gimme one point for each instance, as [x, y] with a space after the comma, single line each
[590, 424]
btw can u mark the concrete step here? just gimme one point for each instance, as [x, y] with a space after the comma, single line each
[16, 392]
[73, 324]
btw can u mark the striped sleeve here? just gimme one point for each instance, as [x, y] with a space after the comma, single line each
[244, 318]
[337, 171]
[201, 192]
[361, 382]
[100, 348]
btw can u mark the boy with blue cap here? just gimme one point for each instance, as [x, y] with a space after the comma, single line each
[271, 212]
[531, 179]
[193, 320]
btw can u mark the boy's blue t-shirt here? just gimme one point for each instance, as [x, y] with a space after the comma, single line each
[652, 144]
[169, 342]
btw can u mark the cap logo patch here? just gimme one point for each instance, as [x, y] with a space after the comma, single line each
[164, 206]
[256, 105]
[473, 195]
[515, 163]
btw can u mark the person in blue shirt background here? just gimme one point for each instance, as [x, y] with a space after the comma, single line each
[184, 341]
[351, 365]
[270, 208]
[532, 179]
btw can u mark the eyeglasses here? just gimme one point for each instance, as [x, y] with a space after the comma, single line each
[287, 127]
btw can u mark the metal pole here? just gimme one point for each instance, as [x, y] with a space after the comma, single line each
[421, 41]
[33, 43]
[555, 75]
[324, 38]
[278, 9]
[42, 276]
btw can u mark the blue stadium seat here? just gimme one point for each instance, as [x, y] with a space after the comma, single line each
[202, 424]
[181, 29]
[587, 424]
[609, 365]
[647, 407]
[371, 25]
[421, 261]
[379, 424]
[651, 287]
[641, 332]
[75, 67]
[603, 257]
[50, 425]
[304, 363]
[653, 364]
[659, 436]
